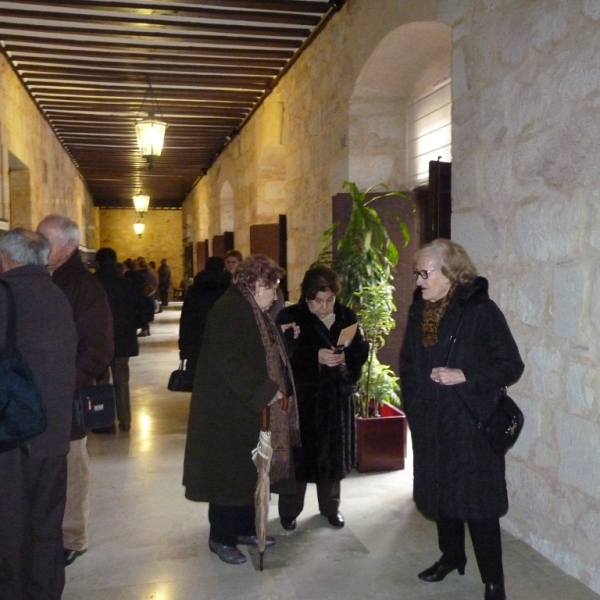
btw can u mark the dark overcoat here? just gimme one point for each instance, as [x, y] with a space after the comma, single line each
[324, 394]
[456, 472]
[231, 387]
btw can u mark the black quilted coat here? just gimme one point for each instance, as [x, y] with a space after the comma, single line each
[324, 394]
[456, 473]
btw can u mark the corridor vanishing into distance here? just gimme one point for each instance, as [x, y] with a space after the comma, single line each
[147, 542]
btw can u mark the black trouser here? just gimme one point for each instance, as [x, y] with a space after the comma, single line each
[485, 534]
[32, 505]
[328, 494]
[229, 522]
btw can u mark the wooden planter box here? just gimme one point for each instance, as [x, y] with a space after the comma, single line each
[381, 441]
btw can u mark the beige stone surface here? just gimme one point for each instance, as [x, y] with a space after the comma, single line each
[162, 238]
[37, 176]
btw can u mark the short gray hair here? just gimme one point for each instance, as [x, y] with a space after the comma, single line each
[68, 229]
[25, 247]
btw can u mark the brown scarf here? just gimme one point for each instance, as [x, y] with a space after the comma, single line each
[432, 317]
[283, 424]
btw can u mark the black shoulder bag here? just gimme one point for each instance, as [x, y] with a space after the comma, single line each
[506, 422]
[22, 409]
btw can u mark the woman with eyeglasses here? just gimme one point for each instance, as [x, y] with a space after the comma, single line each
[324, 379]
[457, 475]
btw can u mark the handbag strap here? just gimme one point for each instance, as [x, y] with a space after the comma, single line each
[11, 321]
[452, 342]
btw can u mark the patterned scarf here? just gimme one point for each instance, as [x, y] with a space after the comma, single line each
[283, 424]
[432, 317]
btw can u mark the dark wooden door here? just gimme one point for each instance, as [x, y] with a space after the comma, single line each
[271, 239]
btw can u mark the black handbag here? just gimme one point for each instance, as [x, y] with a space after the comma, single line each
[181, 380]
[506, 422]
[95, 406]
[22, 410]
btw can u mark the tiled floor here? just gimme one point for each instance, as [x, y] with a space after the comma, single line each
[148, 542]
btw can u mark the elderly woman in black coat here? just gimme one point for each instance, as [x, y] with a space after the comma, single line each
[457, 475]
[242, 369]
[324, 380]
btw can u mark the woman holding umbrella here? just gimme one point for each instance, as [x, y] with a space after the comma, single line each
[241, 369]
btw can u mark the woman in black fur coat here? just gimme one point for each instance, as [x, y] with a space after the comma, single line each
[324, 380]
[457, 475]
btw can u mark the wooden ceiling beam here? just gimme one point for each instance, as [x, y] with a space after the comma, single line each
[166, 8]
[149, 35]
[30, 39]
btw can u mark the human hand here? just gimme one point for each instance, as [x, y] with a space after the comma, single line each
[447, 376]
[278, 396]
[296, 328]
[329, 358]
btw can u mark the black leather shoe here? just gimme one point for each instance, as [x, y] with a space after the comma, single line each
[495, 591]
[124, 427]
[252, 540]
[287, 523]
[438, 571]
[232, 555]
[337, 520]
[71, 555]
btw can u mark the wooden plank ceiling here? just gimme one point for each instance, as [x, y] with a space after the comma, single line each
[88, 64]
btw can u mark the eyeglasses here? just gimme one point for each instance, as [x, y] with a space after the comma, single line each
[423, 274]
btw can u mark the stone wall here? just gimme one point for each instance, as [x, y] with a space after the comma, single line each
[162, 237]
[293, 155]
[525, 200]
[37, 176]
[525, 99]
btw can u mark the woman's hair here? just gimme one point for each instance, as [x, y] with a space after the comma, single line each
[319, 279]
[452, 259]
[258, 268]
[214, 263]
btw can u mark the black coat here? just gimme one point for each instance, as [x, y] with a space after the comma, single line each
[324, 394]
[207, 288]
[231, 388]
[128, 307]
[456, 473]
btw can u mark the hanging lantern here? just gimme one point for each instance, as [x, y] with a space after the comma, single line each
[141, 203]
[139, 227]
[150, 134]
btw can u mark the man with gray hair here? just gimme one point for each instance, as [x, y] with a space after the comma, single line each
[33, 477]
[95, 348]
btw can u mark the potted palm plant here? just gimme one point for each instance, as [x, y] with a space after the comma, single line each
[364, 256]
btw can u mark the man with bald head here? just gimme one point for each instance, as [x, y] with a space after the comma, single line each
[33, 477]
[95, 348]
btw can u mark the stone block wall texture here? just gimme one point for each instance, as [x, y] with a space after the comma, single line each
[162, 238]
[525, 201]
[293, 155]
[46, 180]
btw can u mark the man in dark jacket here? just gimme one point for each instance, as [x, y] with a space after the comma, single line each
[164, 282]
[128, 311]
[209, 285]
[33, 478]
[95, 350]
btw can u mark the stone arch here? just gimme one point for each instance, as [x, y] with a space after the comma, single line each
[271, 184]
[409, 62]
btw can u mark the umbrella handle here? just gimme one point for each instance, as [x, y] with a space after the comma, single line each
[264, 418]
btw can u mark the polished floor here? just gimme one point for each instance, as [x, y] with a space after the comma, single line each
[149, 543]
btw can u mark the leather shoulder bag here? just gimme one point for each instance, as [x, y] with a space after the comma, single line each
[506, 422]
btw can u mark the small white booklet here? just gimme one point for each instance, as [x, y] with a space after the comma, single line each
[346, 336]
